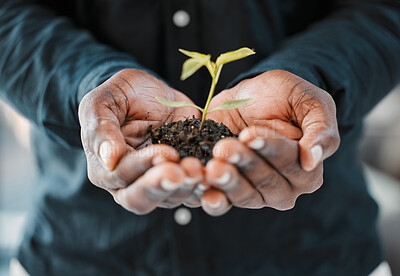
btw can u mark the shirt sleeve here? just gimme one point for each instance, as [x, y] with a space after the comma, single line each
[354, 54]
[47, 65]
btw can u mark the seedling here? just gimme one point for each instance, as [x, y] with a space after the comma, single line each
[198, 60]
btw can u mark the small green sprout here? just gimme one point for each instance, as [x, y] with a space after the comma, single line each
[198, 60]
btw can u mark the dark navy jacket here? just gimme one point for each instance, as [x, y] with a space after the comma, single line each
[53, 52]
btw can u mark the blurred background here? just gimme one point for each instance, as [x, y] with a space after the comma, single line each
[380, 151]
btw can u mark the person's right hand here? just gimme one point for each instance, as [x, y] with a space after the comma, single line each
[115, 119]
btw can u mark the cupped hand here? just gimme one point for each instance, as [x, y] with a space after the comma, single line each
[115, 119]
[285, 134]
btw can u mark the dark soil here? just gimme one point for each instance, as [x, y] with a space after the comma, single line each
[186, 137]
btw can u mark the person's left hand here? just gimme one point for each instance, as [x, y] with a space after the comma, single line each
[285, 133]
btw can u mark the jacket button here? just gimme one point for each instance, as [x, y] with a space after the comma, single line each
[181, 18]
[182, 216]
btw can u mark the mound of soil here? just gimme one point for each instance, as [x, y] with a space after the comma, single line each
[186, 137]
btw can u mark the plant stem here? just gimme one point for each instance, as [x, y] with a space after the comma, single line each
[210, 96]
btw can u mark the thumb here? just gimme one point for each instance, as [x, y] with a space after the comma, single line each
[108, 143]
[101, 133]
[320, 132]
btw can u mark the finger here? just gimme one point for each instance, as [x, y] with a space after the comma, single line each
[318, 143]
[278, 150]
[281, 128]
[274, 187]
[100, 117]
[131, 166]
[316, 113]
[225, 177]
[283, 154]
[194, 199]
[215, 203]
[193, 169]
[148, 191]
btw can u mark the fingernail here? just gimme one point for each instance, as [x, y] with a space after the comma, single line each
[189, 182]
[201, 187]
[224, 179]
[198, 191]
[215, 205]
[256, 144]
[234, 159]
[316, 153]
[168, 185]
[105, 151]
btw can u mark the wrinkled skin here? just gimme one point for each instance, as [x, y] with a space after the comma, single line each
[285, 134]
[115, 118]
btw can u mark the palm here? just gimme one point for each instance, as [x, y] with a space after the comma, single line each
[269, 108]
[144, 110]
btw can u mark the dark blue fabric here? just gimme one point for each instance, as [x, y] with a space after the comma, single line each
[53, 52]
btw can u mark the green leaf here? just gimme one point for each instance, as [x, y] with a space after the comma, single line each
[194, 63]
[177, 104]
[232, 104]
[190, 67]
[234, 55]
[194, 54]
